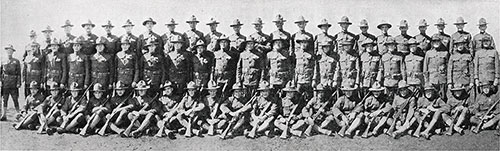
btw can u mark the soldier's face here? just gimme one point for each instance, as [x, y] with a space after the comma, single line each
[120, 92]
[47, 34]
[250, 45]
[364, 29]
[74, 93]
[264, 93]
[149, 25]
[223, 44]
[152, 47]
[192, 25]
[460, 46]
[145, 51]
[258, 27]
[77, 47]
[278, 44]
[67, 29]
[213, 27]
[290, 94]
[320, 94]
[125, 46]
[236, 29]
[429, 93]
[301, 25]
[178, 46]
[279, 25]
[344, 27]
[98, 94]
[384, 28]
[347, 47]
[10, 52]
[325, 49]
[238, 93]
[391, 47]
[369, 47]
[413, 48]
[440, 27]
[99, 47]
[404, 92]
[200, 49]
[482, 27]
[171, 28]
[422, 28]
[486, 43]
[212, 93]
[191, 92]
[34, 90]
[457, 94]
[304, 44]
[168, 91]
[54, 47]
[54, 92]
[128, 29]
[376, 94]
[403, 29]
[141, 92]
[88, 28]
[324, 28]
[486, 89]
[348, 93]
[460, 27]
[108, 29]
[436, 44]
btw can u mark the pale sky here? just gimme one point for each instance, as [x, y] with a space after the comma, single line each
[18, 17]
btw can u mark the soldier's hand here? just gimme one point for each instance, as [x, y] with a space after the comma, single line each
[495, 83]
[450, 86]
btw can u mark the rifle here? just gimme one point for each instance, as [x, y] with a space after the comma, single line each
[257, 122]
[102, 131]
[129, 128]
[419, 127]
[235, 119]
[161, 123]
[399, 112]
[284, 135]
[74, 107]
[484, 116]
[316, 115]
[50, 113]
[86, 127]
[365, 133]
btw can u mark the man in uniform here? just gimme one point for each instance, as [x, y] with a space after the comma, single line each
[435, 65]
[73, 110]
[10, 71]
[68, 37]
[364, 36]
[323, 36]
[262, 41]
[460, 66]
[226, 60]
[414, 65]
[422, 39]
[344, 34]
[89, 39]
[55, 66]
[402, 40]
[236, 111]
[384, 26]
[148, 35]
[327, 69]
[168, 47]
[153, 67]
[236, 39]
[102, 68]
[203, 64]
[263, 111]
[47, 33]
[371, 66]
[192, 35]
[301, 24]
[393, 68]
[476, 41]
[304, 66]
[112, 42]
[78, 65]
[132, 39]
[290, 117]
[460, 34]
[349, 64]
[126, 63]
[280, 32]
[213, 35]
[32, 67]
[279, 65]
[346, 111]
[445, 38]
[486, 64]
[249, 67]
[178, 65]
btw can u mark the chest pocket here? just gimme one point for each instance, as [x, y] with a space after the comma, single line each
[486, 61]
[221, 61]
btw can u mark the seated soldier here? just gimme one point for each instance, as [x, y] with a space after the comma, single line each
[96, 110]
[371, 105]
[486, 110]
[144, 110]
[402, 108]
[290, 118]
[315, 113]
[189, 111]
[235, 112]
[457, 108]
[73, 110]
[167, 121]
[51, 109]
[120, 109]
[435, 109]
[346, 111]
[409, 119]
[32, 109]
[381, 115]
[263, 111]
[211, 112]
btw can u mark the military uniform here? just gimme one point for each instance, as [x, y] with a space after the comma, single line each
[67, 39]
[212, 36]
[301, 33]
[402, 39]
[10, 69]
[44, 45]
[102, 68]
[423, 39]
[460, 67]
[435, 65]
[262, 40]
[127, 66]
[78, 68]
[203, 64]
[486, 65]
[133, 40]
[55, 68]
[153, 70]
[393, 67]
[362, 37]
[414, 66]
[192, 36]
[249, 67]
[345, 35]
[179, 66]
[278, 67]
[327, 70]
[290, 109]
[225, 66]
[168, 35]
[281, 32]
[460, 34]
[444, 38]
[382, 39]
[371, 67]
[88, 40]
[150, 35]
[349, 66]
[476, 40]
[32, 70]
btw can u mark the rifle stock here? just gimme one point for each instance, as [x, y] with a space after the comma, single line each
[102, 131]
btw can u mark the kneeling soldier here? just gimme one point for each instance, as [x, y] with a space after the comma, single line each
[73, 110]
[263, 112]
[144, 109]
[315, 112]
[189, 110]
[235, 111]
[32, 110]
[170, 105]
[290, 118]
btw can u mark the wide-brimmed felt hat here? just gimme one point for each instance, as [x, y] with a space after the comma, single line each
[141, 85]
[89, 22]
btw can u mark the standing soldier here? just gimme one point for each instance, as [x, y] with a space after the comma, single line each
[168, 47]
[113, 43]
[301, 23]
[460, 66]
[203, 64]
[192, 35]
[55, 66]
[486, 64]
[327, 69]
[384, 26]
[47, 33]
[371, 66]
[249, 67]
[262, 41]
[349, 64]
[279, 65]
[444, 38]
[152, 67]
[423, 40]
[393, 68]
[89, 39]
[213, 35]
[414, 65]
[237, 38]
[101, 66]
[364, 36]
[178, 65]
[68, 37]
[304, 66]
[402, 40]
[148, 35]
[435, 65]
[226, 60]
[344, 34]
[460, 34]
[127, 65]
[280, 32]
[132, 39]
[10, 69]
[323, 36]
[33, 65]
[78, 65]
[476, 41]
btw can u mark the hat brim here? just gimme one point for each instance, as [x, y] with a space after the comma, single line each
[302, 21]
[218, 40]
[329, 25]
[279, 21]
[98, 90]
[128, 25]
[9, 48]
[145, 22]
[422, 25]
[233, 25]
[347, 89]
[380, 25]
[48, 30]
[108, 26]
[121, 88]
[349, 23]
[212, 88]
[440, 24]
[262, 89]
[54, 89]
[192, 21]
[83, 25]
[363, 45]
[75, 89]
[463, 23]
[255, 23]
[67, 26]
[212, 23]
[168, 24]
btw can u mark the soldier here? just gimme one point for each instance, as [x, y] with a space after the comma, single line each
[486, 64]
[167, 121]
[346, 112]
[280, 32]
[102, 67]
[414, 65]
[323, 36]
[301, 24]
[393, 68]
[290, 117]
[168, 47]
[461, 34]
[212, 114]
[372, 106]
[89, 39]
[148, 35]
[485, 102]
[476, 41]
[32, 110]
[263, 111]
[236, 39]
[444, 38]
[55, 65]
[371, 65]
[344, 34]
[133, 40]
[190, 111]
[349, 64]
[33, 37]
[235, 111]
[364, 36]
[460, 66]
[47, 33]
[192, 35]
[144, 108]
[315, 113]
[423, 40]
[435, 65]
[384, 26]
[327, 70]
[402, 108]
[68, 37]
[113, 42]
[435, 109]
[249, 67]
[78, 65]
[178, 65]
[454, 114]
[127, 65]
[304, 66]
[226, 60]
[203, 64]
[402, 40]
[10, 82]
[33, 64]
[73, 110]
[152, 67]
[96, 110]
[117, 109]
[51, 108]
[213, 35]
[262, 40]
[279, 65]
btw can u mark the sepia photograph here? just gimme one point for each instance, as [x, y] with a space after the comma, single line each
[249, 75]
